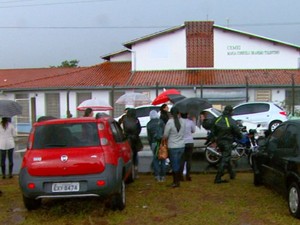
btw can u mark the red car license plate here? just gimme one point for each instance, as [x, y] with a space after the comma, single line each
[65, 187]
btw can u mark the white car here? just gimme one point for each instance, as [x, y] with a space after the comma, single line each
[200, 135]
[142, 112]
[267, 114]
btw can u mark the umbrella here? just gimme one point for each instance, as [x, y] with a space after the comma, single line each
[164, 96]
[192, 105]
[95, 104]
[9, 108]
[133, 99]
[175, 98]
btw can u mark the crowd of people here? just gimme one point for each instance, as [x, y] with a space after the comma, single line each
[171, 126]
[177, 130]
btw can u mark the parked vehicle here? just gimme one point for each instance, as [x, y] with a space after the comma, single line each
[269, 115]
[76, 157]
[277, 164]
[199, 136]
[244, 147]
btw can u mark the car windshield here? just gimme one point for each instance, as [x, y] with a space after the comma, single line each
[66, 135]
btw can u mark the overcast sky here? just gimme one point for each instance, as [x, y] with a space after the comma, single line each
[43, 33]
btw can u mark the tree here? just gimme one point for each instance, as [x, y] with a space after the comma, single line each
[68, 64]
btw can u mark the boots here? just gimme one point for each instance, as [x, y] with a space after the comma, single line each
[10, 171]
[176, 179]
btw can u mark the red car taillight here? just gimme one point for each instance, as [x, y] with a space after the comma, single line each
[31, 185]
[100, 183]
[282, 113]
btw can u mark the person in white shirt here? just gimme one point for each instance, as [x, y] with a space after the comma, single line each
[186, 160]
[7, 145]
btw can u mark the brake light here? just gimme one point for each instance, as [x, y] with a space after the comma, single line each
[282, 113]
[31, 185]
[100, 183]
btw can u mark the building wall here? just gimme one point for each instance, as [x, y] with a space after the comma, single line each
[122, 57]
[161, 53]
[232, 50]
[237, 51]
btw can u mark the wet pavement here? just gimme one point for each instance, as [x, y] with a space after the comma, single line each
[199, 164]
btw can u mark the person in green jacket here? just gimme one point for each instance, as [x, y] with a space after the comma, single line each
[225, 131]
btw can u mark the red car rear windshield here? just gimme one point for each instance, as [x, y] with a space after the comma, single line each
[66, 135]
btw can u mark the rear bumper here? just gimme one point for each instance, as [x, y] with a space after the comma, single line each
[88, 184]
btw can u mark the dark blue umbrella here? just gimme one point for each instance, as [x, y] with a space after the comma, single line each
[9, 108]
[193, 106]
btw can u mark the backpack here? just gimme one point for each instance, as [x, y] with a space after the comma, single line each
[159, 130]
[131, 126]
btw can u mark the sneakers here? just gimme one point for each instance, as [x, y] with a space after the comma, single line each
[160, 179]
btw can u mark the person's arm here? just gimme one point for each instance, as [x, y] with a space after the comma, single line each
[193, 126]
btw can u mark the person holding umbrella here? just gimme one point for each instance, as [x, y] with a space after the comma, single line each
[7, 145]
[174, 133]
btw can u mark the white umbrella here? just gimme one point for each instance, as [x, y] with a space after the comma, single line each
[9, 108]
[133, 99]
[95, 104]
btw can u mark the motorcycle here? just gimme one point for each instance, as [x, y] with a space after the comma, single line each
[246, 146]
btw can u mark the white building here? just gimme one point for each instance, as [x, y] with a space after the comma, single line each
[198, 58]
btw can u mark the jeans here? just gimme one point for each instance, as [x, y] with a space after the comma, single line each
[175, 155]
[159, 165]
[187, 158]
[9, 153]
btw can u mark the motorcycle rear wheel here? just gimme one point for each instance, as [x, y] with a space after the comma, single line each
[211, 157]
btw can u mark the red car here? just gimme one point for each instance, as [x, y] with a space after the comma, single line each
[76, 157]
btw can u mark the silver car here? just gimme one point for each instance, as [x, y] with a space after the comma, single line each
[269, 115]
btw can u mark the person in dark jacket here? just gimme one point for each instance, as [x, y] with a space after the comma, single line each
[155, 131]
[225, 131]
[132, 129]
[164, 113]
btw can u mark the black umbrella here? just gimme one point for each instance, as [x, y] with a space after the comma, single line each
[192, 106]
[175, 98]
[9, 108]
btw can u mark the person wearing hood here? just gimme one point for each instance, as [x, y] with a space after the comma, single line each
[225, 131]
[132, 129]
[155, 130]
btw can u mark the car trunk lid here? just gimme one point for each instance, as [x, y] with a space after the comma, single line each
[58, 162]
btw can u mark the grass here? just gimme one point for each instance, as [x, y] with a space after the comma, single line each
[201, 201]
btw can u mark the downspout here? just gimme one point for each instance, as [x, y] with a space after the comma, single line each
[293, 94]
[69, 115]
[247, 89]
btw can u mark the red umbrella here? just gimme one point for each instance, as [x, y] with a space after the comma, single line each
[163, 97]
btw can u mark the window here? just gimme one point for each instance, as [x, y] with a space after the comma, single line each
[80, 97]
[251, 108]
[66, 135]
[276, 140]
[263, 95]
[145, 111]
[117, 132]
[292, 140]
[23, 100]
[52, 104]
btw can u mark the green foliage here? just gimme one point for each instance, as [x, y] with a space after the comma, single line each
[68, 64]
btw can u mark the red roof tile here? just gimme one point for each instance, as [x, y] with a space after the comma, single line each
[119, 74]
[105, 74]
[217, 78]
